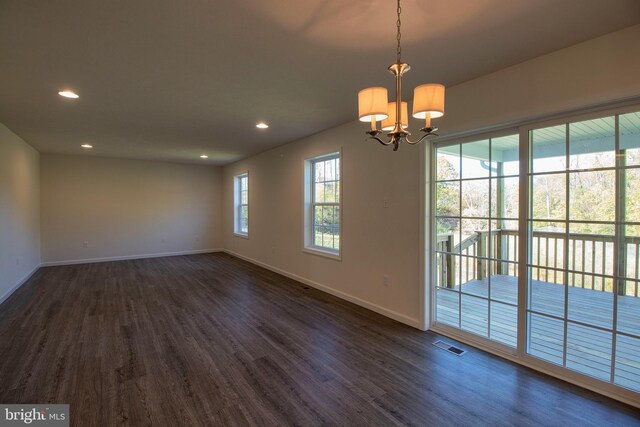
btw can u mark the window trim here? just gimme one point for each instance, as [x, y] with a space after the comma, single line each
[237, 204]
[309, 204]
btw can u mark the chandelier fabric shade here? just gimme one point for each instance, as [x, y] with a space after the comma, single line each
[390, 122]
[428, 101]
[372, 104]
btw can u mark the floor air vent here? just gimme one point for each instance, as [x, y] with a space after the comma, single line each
[450, 348]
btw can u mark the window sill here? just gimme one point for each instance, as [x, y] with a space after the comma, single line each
[244, 236]
[313, 250]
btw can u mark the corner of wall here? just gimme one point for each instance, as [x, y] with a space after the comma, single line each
[20, 217]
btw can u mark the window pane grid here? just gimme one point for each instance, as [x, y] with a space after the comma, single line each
[583, 235]
[599, 274]
[242, 204]
[486, 298]
[325, 203]
[480, 178]
[476, 214]
[576, 322]
[561, 172]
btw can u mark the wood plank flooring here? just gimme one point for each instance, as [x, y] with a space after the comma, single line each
[208, 340]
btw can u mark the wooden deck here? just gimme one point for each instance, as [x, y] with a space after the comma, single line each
[588, 349]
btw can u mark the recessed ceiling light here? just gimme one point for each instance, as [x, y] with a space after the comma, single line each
[204, 156]
[68, 94]
[86, 146]
[262, 125]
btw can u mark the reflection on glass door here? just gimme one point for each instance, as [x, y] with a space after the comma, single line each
[476, 238]
[583, 311]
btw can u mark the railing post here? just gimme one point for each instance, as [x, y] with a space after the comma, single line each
[498, 252]
[482, 252]
[451, 263]
[500, 266]
[622, 229]
[440, 277]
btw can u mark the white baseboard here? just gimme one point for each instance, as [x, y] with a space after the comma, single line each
[128, 257]
[15, 287]
[358, 301]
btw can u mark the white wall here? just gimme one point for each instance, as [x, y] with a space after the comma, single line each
[126, 208]
[19, 211]
[376, 240]
[595, 72]
[379, 241]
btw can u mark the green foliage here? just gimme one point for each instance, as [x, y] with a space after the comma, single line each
[447, 196]
[583, 194]
[327, 226]
[445, 170]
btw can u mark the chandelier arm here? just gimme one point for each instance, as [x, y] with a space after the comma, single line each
[381, 141]
[422, 138]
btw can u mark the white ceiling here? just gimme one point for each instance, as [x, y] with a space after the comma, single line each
[170, 80]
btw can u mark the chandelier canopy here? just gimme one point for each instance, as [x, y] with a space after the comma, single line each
[373, 104]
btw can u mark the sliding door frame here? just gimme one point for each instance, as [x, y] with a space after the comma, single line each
[442, 328]
[519, 354]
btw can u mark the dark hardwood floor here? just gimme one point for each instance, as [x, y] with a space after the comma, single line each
[208, 340]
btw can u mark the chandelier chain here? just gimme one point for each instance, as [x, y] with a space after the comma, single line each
[399, 36]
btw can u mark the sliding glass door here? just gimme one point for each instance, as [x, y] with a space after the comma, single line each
[579, 299]
[476, 219]
[583, 311]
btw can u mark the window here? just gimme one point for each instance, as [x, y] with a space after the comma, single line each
[241, 203]
[322, 204]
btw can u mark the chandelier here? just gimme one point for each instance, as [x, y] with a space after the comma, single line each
[373, 105]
